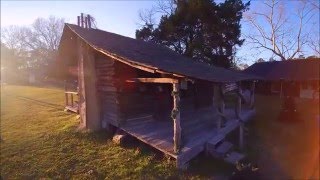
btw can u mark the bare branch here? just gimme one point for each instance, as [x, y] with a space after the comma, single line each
[276, 34]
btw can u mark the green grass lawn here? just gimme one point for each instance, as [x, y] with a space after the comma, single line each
[40, 140]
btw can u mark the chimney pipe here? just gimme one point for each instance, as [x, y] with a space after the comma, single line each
[82, 20]
[85, 22]
[78, 17]
[89, 21]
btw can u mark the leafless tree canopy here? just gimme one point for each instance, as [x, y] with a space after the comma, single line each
[43, 34]
[273, 28]
[162, 7]
[35, 45]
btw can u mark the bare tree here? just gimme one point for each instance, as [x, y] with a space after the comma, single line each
[43, 34]
[37, 44]
[14, 37]
[162, 7]
[46, 33]
[273, 30]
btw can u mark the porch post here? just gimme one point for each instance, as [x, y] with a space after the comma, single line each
[252, 95]
[238, 108]
[176, 118]
[241, 135]
[238, 115]
[218, 99]
[65, 94]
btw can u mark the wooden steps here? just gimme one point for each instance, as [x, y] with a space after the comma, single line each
[224, 148]
[234, 157]
[215, 140]
[219, 148]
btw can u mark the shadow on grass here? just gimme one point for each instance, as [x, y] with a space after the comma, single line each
[38, 102]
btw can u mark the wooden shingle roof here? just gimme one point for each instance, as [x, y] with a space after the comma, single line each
[291, 70]
[152, 56]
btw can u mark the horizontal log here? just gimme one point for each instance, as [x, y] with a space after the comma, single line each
[104, 65]
[106, 78]
[106, 94]
[110, 99]
[104, 61]
[111, 117]
[105, 71]
[113, 109]
[153, 80]
[71, 92]
[110, 103]
[107, 89]
[105, 84]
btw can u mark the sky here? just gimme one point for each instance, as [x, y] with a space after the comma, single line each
[121, 17]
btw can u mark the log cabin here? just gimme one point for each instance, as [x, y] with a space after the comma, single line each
[297, 78]
[166, 100]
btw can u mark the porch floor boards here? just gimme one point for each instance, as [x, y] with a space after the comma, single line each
[198, 127]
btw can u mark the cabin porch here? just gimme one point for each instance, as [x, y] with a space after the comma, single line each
[197, 128]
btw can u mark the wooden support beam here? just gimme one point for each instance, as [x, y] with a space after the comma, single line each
[66, 95]
[176, 118]
[241, 136]
[71, 99]
[81, 84]
[219, 101]
[222, 107]
[252, 95]
[238, 105]
[153, 80]
[238, 115]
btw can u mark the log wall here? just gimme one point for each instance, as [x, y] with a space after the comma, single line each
[108, 91]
